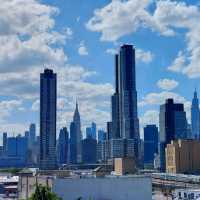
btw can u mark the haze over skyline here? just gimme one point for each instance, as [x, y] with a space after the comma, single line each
[80, 46]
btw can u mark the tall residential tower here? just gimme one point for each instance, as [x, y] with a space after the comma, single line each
[48, 97]
[124, 101]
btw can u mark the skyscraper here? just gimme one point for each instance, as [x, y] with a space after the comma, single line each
[173, 125]
[75, 138]
[91, 131]
[32, 135]
[150, 144]
[124, 101]
[94, 130]
[195, 117]
[4, 143]
[115, 103]
[89, 150]
[63, 143]
[48, 98]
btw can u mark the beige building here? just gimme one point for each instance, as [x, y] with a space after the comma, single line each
[182, 156]
[124, 166]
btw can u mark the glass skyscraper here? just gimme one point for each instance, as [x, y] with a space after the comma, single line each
[125, 121]
[48, 98]
[173, 125]
[150, 144]
[195, 117]
[62, 148]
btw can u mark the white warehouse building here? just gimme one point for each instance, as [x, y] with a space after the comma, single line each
[106, 188]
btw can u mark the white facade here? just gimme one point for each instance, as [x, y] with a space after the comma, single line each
[187, 194]
[107, 188]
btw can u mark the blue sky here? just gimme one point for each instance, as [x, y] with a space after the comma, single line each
[78, 41]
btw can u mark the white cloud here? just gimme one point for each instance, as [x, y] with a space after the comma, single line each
[28, 43]
[144, 56]
[141, 55]
[150, 117]
[167, 84]
[68, 32]
[7, 107]
[82, 50]
[179, 63]
[120, 18]
[159, 98]
[111, 51]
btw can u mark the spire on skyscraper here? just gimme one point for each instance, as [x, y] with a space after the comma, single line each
[195, 117]
[76, 113]
[195, 93]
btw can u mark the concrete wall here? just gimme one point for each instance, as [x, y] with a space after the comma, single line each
[108, 188]
[27, 185]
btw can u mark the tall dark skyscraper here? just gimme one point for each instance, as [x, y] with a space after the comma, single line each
[89, 150]
[75, 138]
[124, 101]
[195, 117]
[115, 103]
[150, 144]
[48, 98]
[173, 125]
[62, 148]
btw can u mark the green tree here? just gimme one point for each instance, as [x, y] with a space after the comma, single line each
[43, 193]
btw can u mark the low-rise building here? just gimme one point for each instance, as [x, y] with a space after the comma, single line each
[107, 188]
[182, 156]
[124, 166]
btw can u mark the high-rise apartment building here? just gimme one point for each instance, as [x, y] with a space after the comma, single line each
[195, 117]
[48, 98]
[125, 121]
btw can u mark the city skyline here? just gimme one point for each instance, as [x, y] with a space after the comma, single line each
[84, 72]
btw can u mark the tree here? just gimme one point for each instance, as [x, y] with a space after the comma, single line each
[43, 193]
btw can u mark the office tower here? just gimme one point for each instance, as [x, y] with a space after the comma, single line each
[109, 130]
[17, 147]
[4, 143]
[150, 144]
[88, 132]
[101, 135]
[75, 138]
[63, 143]
[173, 125]
[32, 135]
[89, 150]
[115, 103]
[91, 131]
[94, 130]
[48, 98]
[195, 117]
[125, 121]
